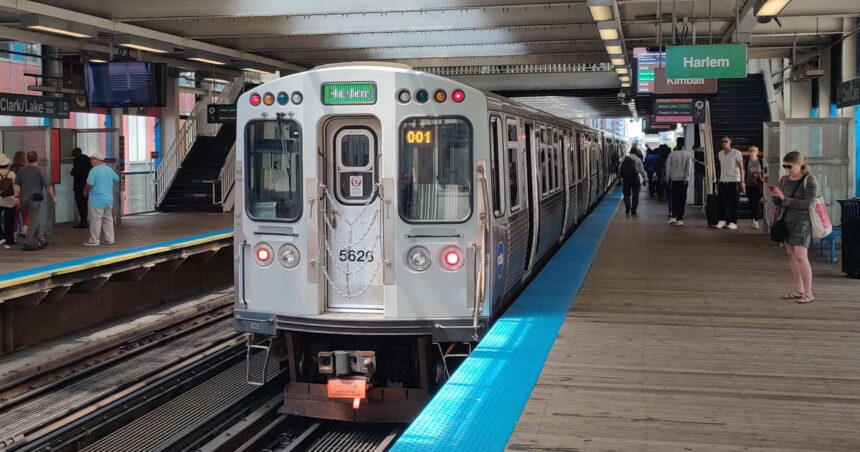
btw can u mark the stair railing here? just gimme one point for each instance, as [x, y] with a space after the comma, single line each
[228, 178]
[196, 125]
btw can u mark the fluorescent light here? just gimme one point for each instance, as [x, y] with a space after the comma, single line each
[257, 71]
[625, 85]
[624, 78]
[146, 45]
[614, 47]
[621, 70]
[255, 67]
[142, 47]
[58, 26]
[600, 9]
[207, 61]
[58, 31]
[97, 60]
[772, 7]
[607, 31]
[617, 61]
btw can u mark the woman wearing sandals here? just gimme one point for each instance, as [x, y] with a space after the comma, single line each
[796, 194]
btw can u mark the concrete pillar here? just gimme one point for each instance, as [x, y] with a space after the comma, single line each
[116, 115]
[824, 88]
[801, 99]
[849, 72]
[170, 116]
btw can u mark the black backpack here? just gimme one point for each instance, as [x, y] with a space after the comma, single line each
[6, 188]
[628, 168]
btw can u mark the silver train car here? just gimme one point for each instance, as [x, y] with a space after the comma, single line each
[385, 218]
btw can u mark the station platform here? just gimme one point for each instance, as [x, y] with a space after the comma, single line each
[678, 339]
[77, 286]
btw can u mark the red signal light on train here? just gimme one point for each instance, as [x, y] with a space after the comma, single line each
[263, 254]
[452, 258]
[255, 100]
[458, 96]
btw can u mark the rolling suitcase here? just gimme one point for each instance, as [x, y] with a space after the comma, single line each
[712, 209]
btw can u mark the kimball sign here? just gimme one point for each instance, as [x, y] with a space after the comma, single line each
[712, 61]
[36, 106]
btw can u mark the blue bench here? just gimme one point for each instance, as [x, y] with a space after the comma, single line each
[831, 240]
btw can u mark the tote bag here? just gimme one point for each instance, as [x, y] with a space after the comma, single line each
[819, 218]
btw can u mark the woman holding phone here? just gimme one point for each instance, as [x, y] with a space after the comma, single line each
[795, 195]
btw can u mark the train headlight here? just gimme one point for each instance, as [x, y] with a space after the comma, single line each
[458, 96]
[452, 258]
[296, 97]
[263, 254]
[418, 258]
[289, 256]
[403, 96]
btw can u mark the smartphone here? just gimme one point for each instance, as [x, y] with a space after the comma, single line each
[772, 187]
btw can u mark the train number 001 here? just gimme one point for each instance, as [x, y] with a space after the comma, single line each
[419, 137]
[355, 256]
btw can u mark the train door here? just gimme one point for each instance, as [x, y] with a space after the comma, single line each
[353, 234]
[500, 244]
[534, 197]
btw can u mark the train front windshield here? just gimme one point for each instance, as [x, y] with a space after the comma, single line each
[435, 170]
[274, 170]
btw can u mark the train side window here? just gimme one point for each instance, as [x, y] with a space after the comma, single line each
[559, 163]
[496, 161]
[571, 159]
[544, 163]
[513, 166]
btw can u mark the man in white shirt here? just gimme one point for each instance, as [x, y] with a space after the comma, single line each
[731, 183]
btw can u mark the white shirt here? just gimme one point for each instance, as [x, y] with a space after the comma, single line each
[729, 170]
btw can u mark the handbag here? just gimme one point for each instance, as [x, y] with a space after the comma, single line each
[819, 218]
[779, 230]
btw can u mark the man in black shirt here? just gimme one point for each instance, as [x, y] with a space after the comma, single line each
[80, 170]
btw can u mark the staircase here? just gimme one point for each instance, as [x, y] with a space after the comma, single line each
[738, 111]
[189, 177]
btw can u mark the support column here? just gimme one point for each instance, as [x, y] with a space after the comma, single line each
[849, 72]
[169, 117]
[118, 154]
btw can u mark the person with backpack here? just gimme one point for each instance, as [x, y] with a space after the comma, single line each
[8, 201]
[629, 171]
[31, 181]
[795, 196]
[652, 165]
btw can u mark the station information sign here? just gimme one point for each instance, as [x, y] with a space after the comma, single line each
[349, 93]
[683, 110]
[646, 64]
[848, 93]
[220, 113]
[34, 106]
[708, 61]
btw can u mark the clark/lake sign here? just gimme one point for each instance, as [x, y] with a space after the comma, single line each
[710, 61]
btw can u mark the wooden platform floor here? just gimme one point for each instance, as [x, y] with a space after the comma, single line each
[679, 341]
[65, 243]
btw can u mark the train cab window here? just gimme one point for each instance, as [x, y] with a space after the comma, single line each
[497, 160]
[435, 170]
[354, 148]
[513, 167]
[274, 170]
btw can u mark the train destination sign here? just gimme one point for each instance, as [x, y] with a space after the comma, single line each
[349, 93]
[34, 106]
[710, 61]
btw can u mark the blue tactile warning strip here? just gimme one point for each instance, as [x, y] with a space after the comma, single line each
[478, 408]
[61, 268]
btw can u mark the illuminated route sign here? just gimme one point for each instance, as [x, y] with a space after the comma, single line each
[349, 93]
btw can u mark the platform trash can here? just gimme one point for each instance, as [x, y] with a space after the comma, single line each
[851, 237]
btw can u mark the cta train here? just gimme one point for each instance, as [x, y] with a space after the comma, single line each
[385, 217]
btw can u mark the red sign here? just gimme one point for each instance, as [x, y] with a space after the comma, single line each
[347, 388]
[662, 85]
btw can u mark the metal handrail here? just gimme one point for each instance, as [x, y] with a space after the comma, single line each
[196, 125]
[228, 174]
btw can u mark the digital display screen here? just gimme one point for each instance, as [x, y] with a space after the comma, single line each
[349, 93]
[419, 137]
[646, 62]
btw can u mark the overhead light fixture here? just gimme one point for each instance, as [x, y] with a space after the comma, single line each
[770, 8]
[625, 84]
[58, 26]
[257, 68]
[204, 57]
[613, 47]
[146, 45]
[600, 9]
[97, 60]
[624, 78]
[607, 30]
[621, 70]
[217, 80]
[617, 61]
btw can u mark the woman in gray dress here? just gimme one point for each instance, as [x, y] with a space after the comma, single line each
[795, 195]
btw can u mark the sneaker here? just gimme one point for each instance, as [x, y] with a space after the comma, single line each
[732, 226]
[2, 241]
[7, 247]
[672, 221]
[43, 244]
[720, 224]
[755, 224]
[82, 226]
[91, 243]
[679, 223]
[108, 243]
[30, 248]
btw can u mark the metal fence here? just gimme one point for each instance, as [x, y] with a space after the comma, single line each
[138, 189]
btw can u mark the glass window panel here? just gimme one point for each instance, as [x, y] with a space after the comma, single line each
[274, 170]
[355, 150]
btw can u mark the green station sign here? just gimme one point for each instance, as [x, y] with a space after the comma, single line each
[349, 93]
[711, 61]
